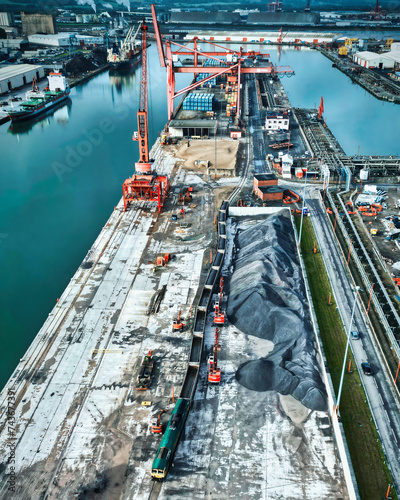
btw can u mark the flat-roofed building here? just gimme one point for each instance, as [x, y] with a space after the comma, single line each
[14, 76]
[38, 23]
[6, 19]
[205, 17]
[276, 121]
[56, 40]
[372, 60]
[191, 128]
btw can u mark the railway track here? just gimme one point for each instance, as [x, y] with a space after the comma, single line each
[155, 490]
[372, 273]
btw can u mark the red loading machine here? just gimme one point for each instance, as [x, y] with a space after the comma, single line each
[214, 373]
[145, 184]
[219, 315]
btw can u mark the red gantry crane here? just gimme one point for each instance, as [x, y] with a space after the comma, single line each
[145, 184]
[232, 64]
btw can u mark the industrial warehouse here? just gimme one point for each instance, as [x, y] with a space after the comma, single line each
[234, 326]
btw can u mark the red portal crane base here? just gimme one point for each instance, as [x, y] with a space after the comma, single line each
[146, 188]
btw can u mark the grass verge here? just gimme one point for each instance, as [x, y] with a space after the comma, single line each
[373, 476]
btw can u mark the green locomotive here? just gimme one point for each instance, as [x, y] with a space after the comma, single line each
[169, 442]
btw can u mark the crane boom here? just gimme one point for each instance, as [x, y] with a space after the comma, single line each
[142, 135]
[158, 36]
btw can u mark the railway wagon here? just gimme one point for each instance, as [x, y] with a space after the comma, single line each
[169, 442]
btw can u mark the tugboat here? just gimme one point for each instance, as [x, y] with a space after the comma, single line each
[37, 101]
[127, 54]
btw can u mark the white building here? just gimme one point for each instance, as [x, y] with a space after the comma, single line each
[6, 19]
[88, 40]
[15, 76]
[56, 40]
[395, 53]
[287, 162]
[13, 43]
[372, 60]
[276, 121]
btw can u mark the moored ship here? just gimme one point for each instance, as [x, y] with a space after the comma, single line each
[127, 53]
[37, 101]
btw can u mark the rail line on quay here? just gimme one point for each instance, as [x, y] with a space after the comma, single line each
[136, 215]
[48, 342]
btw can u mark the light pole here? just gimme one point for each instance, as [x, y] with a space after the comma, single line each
[302, 208]
[347, 347]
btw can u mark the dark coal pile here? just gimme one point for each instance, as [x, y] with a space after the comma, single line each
[267, 299]
[80, 63]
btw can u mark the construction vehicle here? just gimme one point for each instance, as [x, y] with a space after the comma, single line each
[157, 427]
[177, 323]
[145, 371]
[185, 197]
[374, 231]
[162, 260]
[343, 51]
[214, 373]
[389, 42]
[165, 139]
[219, 315]
[349, 41]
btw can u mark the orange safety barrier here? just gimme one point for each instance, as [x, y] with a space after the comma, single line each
[351, 213]
[288, 199]
[369, 214]
[329, 210]
[364, 209]
[376, 206]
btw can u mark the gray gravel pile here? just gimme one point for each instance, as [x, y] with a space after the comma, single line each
[267, 299]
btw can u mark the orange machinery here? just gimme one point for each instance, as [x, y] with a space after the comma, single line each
[162, 260]
[214, 373]
[219, 315]
[156, 427]
[177, 324]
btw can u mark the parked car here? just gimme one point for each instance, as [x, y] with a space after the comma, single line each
[355, 335]
[366, 367]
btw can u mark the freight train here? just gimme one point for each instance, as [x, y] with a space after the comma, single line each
[169, 442]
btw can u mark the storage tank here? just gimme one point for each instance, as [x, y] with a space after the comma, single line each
[363, 174]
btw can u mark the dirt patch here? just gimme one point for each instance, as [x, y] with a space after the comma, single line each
[205, 150]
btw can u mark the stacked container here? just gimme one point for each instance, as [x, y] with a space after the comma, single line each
[198, 102]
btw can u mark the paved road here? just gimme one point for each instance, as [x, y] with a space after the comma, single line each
[384, 403]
